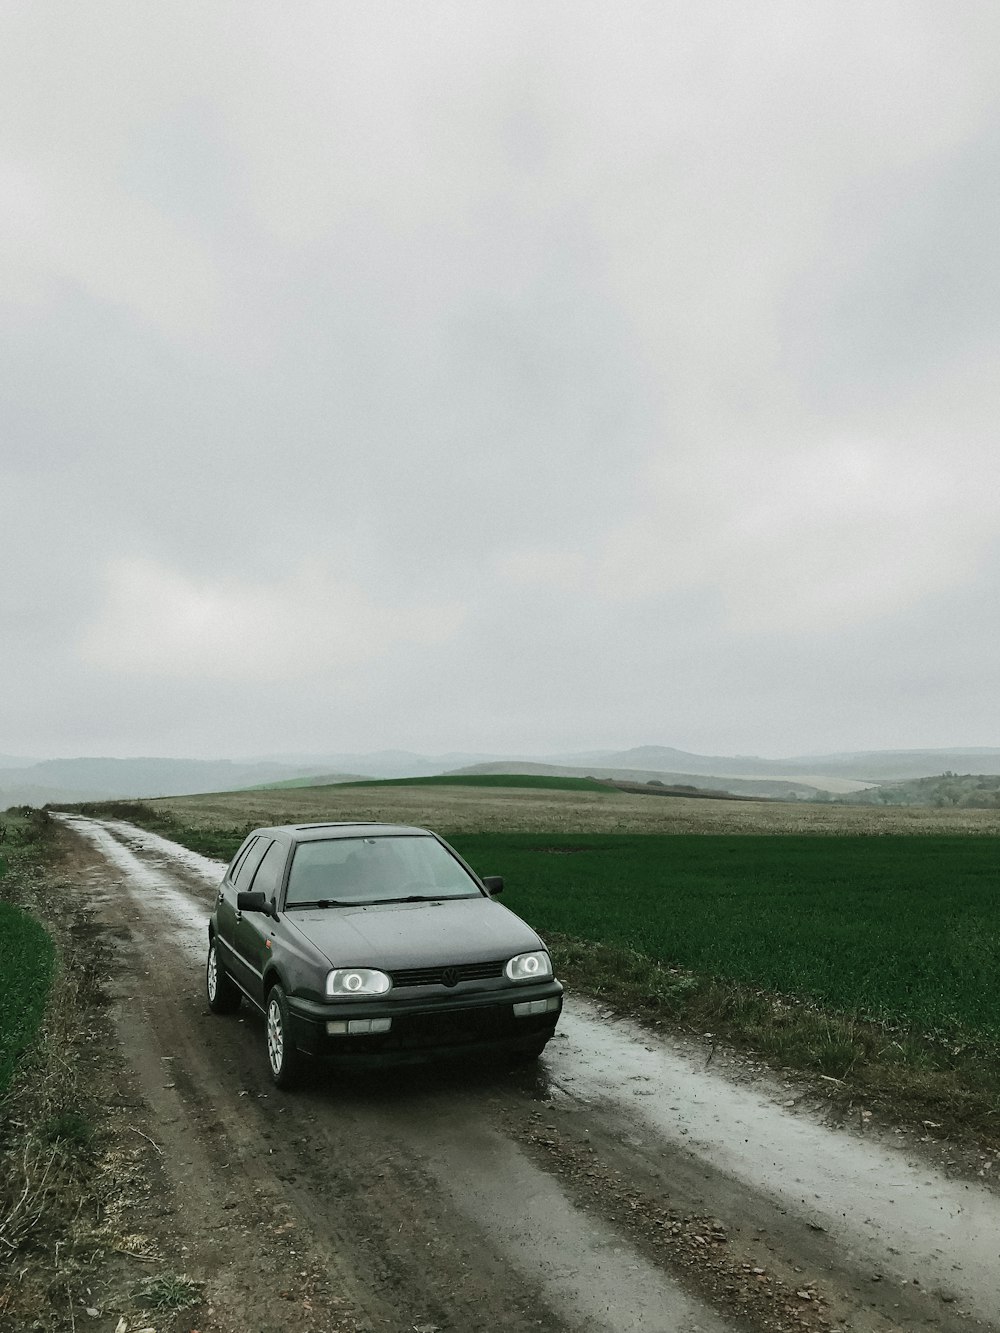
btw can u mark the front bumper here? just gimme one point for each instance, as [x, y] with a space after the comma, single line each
[430, 1028]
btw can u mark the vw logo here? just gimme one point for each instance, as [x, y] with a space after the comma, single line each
[449, 977]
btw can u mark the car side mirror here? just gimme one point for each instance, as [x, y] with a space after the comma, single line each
[493, 884]
[255, 902]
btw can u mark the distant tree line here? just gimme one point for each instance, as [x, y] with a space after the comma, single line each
[965, 791]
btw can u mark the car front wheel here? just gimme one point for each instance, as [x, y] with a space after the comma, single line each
[283, 1056]
[529, 1055]
[223, 994]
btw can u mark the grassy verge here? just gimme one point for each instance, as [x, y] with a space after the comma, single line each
[26, 965]
[44, 1125]
[870, 963]
[953, 1089]
[27, 959]
[70, 1174]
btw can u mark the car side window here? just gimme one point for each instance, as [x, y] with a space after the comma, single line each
[250, 863]
[241, 856]
[269, 872]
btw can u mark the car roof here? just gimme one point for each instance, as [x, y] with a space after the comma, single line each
[344, 829]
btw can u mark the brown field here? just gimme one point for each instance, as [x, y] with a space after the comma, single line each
[531, 810]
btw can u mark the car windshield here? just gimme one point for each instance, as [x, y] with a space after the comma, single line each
[346, 871]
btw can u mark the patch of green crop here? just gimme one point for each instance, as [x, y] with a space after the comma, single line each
[27, 959]
[539, 781]
[899, 929]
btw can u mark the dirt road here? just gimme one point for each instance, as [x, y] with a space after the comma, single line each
[626, 1184]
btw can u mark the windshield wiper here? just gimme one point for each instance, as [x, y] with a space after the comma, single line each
[426, 898]
[321, 902]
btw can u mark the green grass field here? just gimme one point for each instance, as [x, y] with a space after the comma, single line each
[26, 965]
[900, 929]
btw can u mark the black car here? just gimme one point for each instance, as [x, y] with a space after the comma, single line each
[374, 942]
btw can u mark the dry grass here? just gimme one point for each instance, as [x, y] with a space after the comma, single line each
[512, 810]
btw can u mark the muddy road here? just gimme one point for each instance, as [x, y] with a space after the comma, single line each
[626, 1183]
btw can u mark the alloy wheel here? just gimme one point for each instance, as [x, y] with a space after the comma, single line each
[275, 1036]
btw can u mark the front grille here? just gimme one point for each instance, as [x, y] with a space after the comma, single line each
[454, 1027]
[435, 976]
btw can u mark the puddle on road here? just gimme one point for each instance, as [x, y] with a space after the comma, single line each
[890, 1214]
[887, 1211]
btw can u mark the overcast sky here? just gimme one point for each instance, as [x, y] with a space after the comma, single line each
[499, 376]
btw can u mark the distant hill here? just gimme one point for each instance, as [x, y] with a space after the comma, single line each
[858, 766]
[15, 761]
[105, 779]
[775, 788]
[24, 781]
[841, 772]
[378, 763]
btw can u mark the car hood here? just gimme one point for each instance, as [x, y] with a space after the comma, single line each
[398, 935]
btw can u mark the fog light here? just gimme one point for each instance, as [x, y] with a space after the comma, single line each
[524, 1008]
[336, 1026]
[363, 1026]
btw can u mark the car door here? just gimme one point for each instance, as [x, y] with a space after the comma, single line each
[254, 930]
[238, 878]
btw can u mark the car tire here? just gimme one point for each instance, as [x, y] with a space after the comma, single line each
[529, 1055]
[224, 995]
[283, 1056]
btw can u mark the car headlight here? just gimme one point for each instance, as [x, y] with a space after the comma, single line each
[529, 967]
[357, 981]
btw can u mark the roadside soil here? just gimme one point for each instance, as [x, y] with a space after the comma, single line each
[586, 1194]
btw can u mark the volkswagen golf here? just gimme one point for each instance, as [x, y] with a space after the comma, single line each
[369, 943]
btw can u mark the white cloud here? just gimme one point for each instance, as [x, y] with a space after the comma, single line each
[70, 231]
[815, 540]
[567, 571]
[159, 622]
